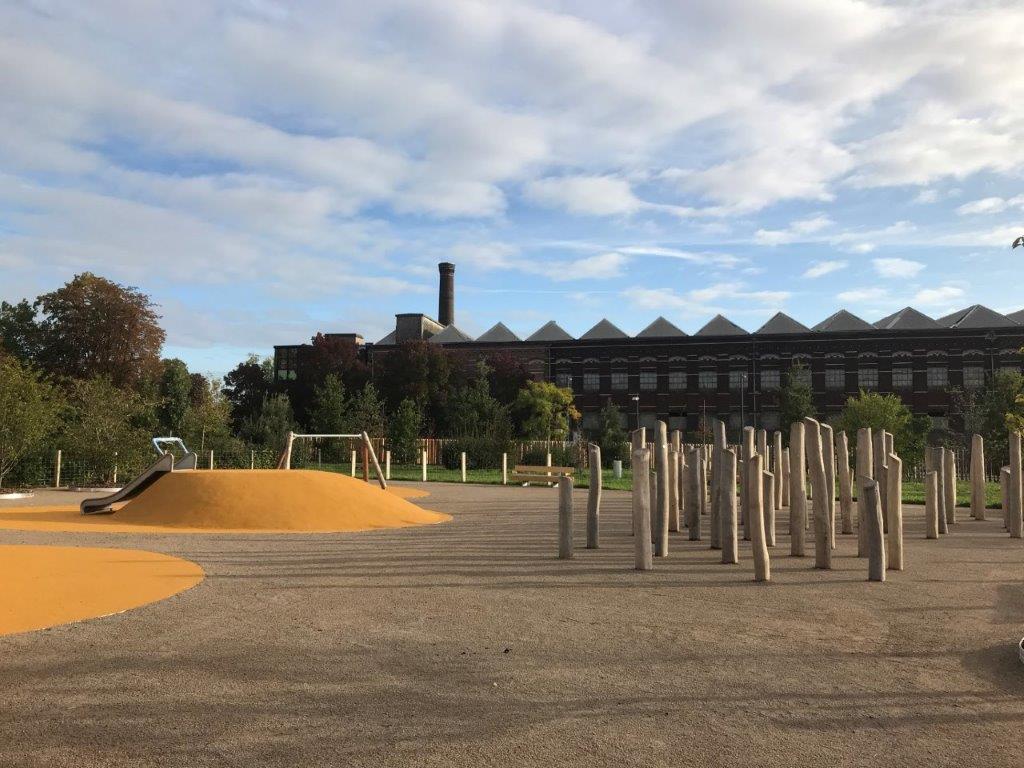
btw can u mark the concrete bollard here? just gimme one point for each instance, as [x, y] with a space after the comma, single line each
[777, 467]
[462, 465]
[797, 490]
[504, 469]
[693, 493]
[353, 464]
[978, 477]
[728, 521]
[617, 469]
[423, 464]
[594, 498]
[643, 555]
[387, 465]
[1004, 495]
[845, 484]
[871, 493]
[949, 484]
[879, 460]
[931, 505]
[819, 492]
[717, 491]
[894, 478]
[673, 490]
[565, 518]
[1016, 524]
[785, 478]
[865, 471]
[828, 458]
[661, 457]
[755, 514]
[769, 509]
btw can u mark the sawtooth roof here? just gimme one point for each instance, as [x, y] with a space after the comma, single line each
[499, 332]
[843, 320]
[550, 331]
[604, 329]
[720, 325]
[450, 335]
[907, 319]
[660, 328]
[976, 316]
[782, 323]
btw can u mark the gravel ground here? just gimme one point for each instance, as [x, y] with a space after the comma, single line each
[469, 644]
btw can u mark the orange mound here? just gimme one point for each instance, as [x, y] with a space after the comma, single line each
[46, 586]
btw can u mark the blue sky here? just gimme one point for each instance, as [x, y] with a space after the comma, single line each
[267, 170]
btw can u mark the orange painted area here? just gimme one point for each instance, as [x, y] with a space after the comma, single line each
[233, 501]
[46, 586]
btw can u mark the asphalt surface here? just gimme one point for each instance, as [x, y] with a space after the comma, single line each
[469, 644]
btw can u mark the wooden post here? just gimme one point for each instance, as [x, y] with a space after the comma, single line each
[845, 483]
[871, 494]
[949, 484]
[717, 491]
[504, 469]
[785, 478]
[865, 471]
[462, 465]
[652, 481]
[828, 458]
[661, 457]
[727, 513]
[931, 505]
[423, 460]
[762, 447]
[978, 477]
[797, 490]
[565, 518]
[643, 559]
[933, 462]
[879, 460]
[755, 514]
[692, 491]
[1016, 524]
[366, 463]
[387, 465]
[769, 508]
[368, 452]
[749, 449]
[819, 493]
[353, 467]
[673, 489]
[56, 470]
[702, 473]
[211, 458]
[1005, 481]
[894, 478]
[252, 459]
[777, 467]
[594, 497]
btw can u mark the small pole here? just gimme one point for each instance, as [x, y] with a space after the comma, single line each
[353, 469]
[462, 465]
[643, 554]
[870, 490]
[504, 469]
[366, 464]
[211, 458]
[423, 460]
[594, 498]
[252, 459]
[115, 468]
[56, 470]
[565, 518]
[387, 465]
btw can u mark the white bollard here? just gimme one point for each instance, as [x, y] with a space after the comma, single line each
[462, 465]
[353, 463]
[423, 461]
[617, 469]
[504, 469]
[56, 470]
[211, 459]
[252, 459]
[387, 465]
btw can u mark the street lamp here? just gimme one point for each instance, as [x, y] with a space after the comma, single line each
[636, 402]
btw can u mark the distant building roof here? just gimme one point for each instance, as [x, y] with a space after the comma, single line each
[550, 331]
[843, 321]
[721, 326]
[450, 335]
[1017, 317]
[499, 332]
[782, 323]
[907, 319]
[605, 330]
[976, 316]
[660, 328]
[389, 339]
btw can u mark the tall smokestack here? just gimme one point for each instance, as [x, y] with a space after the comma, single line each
[446, 294]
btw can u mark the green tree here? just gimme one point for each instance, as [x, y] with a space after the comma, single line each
[105, 425]
[473, 412]
[329, 413]
[29, 408]
[992, 411]
[420, 371]
[796, 402]
[247, 388]
[175, 393]
[366, 412]
[544, 411]
[404, 432]
[206, 424]
[93, 327]
[19, 331]
[271, 425]
[610, 434]
[871, 409]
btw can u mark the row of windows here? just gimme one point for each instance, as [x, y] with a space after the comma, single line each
[937, 377]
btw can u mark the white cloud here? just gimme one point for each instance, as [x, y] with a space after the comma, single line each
[991, 205]
[797, 230]
[897, 268]
[600, 267]
[940, 295]
[822, 268]
[701, 301]
[861, 295]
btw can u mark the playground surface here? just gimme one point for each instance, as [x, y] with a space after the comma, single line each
[469, 644]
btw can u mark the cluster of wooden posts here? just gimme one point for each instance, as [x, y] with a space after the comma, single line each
[675, 485]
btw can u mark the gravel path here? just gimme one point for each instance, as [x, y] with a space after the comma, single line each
[468, 644]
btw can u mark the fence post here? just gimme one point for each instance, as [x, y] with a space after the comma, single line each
[424, 462]
[504, 469]
[252, 459]
[387, 465]
[353, 468]
[211, 458]
[366, 462]
[462, 465]
[56, 471]
[115, 468]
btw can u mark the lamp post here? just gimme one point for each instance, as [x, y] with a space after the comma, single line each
[743, 401]
[636, 403]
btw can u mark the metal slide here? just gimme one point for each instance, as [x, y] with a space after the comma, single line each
[150, 475]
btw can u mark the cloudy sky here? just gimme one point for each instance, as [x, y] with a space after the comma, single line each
[266, 170]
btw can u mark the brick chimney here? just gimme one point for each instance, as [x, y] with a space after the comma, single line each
[446, 294]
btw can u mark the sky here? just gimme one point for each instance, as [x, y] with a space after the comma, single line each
[267, 170]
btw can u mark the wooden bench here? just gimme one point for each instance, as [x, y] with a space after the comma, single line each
[527, 474]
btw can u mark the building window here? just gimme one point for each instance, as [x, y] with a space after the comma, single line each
[770, 420]
[835, 378]
[801, 374]
[591, 382]
[903, 377]
[677, 380]
[974, 377]
[770, 379]
[734, 422]
[737, 380]
[708, 381]
[620, 380]
[287, 363]
[938, 377]
[867, 378]
[563, 380]
[648, 380]
[1004, 369]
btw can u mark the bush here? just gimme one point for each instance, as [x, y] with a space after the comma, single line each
[481, 452]
[560, 457]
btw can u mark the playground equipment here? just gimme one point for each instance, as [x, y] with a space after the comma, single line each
[285, 462]
[164, 464]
